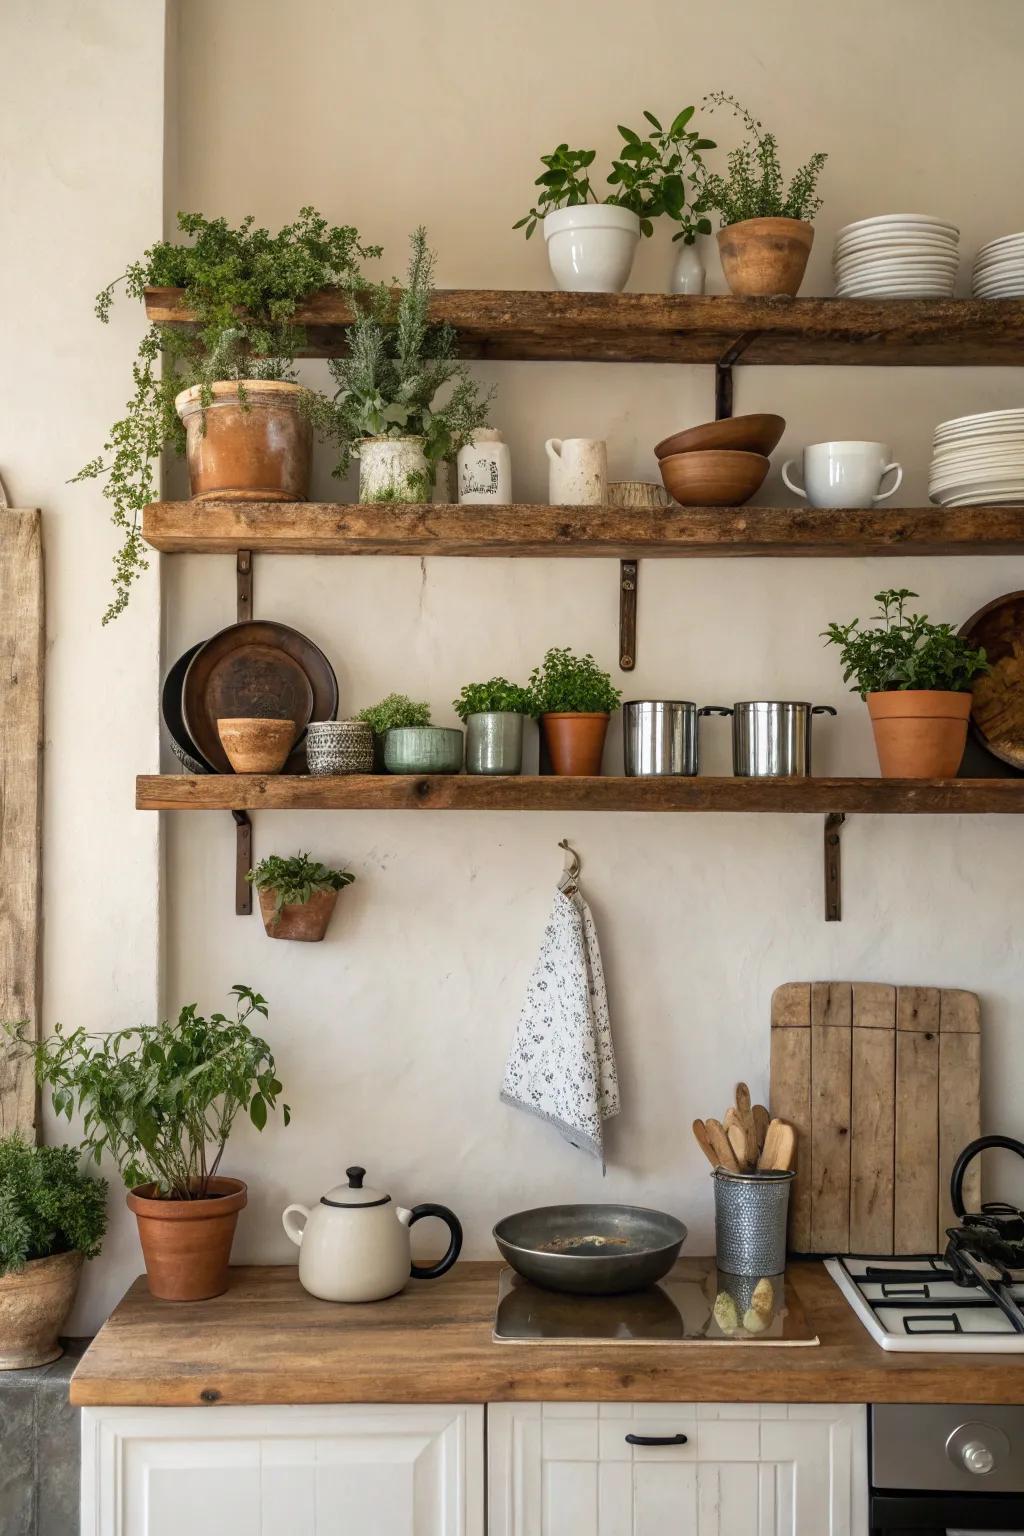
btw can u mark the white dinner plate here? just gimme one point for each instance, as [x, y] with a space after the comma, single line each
[900, 259]
[988, 418]
[887, 220]
[1002, 242]
[893, 290]
[870, 247]
[1013, 290]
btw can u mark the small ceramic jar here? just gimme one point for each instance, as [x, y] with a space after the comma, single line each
[339, 746]
[485, 470]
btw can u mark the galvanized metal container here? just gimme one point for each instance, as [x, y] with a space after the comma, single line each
[771, 738]
[423, 749]
[494, 742]
[659, 738]
[750, 1221]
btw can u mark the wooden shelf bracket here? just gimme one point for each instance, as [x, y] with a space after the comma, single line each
[833, 867]
[243, 825]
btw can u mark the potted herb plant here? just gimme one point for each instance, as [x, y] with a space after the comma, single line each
[52, 1218]
[405, 401]
[915, 678]
[766, 233]
[493, 714]
[574, 700]
[224, 390]
[394, 712]
[163, 1100]
[407, 742]
[297, 895]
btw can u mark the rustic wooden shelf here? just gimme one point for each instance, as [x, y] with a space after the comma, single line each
[665, 328]
[468, 792]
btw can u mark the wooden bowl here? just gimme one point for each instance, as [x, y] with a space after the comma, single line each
[718, 477]
[758, 433]
[255, 745]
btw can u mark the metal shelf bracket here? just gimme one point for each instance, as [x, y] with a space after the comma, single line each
[833, 867]
[243, 825]
[629, 575]
[723, 373]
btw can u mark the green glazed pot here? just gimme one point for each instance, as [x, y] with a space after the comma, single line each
[423, 749]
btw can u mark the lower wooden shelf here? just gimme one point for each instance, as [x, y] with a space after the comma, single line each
[465, 792]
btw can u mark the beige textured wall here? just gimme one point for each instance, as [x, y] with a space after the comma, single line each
[391, 1036]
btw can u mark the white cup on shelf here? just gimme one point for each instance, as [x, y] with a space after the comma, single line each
[844, 474]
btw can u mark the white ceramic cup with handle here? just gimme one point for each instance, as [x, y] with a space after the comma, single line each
[844, 474]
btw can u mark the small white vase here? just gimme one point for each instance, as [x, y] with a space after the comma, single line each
[485, 469]
[578, 471]
[591, 248]
[688, 274]
[393, 469]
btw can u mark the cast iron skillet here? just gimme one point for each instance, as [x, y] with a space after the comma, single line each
[592, 1250]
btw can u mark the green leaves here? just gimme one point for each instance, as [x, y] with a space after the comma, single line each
[47, 1204]
[397, 709]
[496, 696]
[904, 651]
[753, 187]
[564, 184]
[293, 881]
[565, 683]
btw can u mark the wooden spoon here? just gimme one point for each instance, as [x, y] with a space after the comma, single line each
[724, 1153]
[746, 1115]
[738, 1142]
[700, 1131]
[762, 1119]
[779, 1147]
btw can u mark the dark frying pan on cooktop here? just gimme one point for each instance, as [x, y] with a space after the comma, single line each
[182, 745]
[259, 669]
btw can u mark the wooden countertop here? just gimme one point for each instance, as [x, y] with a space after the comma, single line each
[267, 1341]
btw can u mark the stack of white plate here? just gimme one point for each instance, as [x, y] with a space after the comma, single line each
[999, 269]
[897, 255]
[978, 459]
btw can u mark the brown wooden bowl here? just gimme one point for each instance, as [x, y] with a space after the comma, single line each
[717, 477]
[256, 745]
[756, 433]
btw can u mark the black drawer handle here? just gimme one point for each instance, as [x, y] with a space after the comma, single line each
[656, 1439]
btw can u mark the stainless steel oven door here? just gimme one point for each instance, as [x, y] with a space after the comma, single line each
[938, 1469]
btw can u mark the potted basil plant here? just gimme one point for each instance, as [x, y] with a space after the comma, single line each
[493, 714]
[406, 742]
[297, 895]
[915, 678]
[574, 699]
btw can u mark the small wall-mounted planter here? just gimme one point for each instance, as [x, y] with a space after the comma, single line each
[306, 921]
[423, 749]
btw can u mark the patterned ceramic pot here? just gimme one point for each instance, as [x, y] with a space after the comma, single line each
[393, 469]
[339, 746]
[485, 469]
[423, 749]
[494, 742]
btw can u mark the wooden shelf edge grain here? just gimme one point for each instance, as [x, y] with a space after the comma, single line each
[469, 792]
[331, 528]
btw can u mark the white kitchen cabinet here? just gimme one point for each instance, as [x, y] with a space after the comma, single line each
[566, 1469]
[288, 1471]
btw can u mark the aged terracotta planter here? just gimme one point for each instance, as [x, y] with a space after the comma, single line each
[259, 451]
[303, 920]
[761, 257]
[919, 733]
[575, 742]
[256, 746]
[34, 1306]
[187, 1243]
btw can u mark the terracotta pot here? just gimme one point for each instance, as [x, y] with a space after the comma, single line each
[256, 746]
[761, 257]
[575, 743]
[187, 1243]
[303, 920]
[259, 450]
[919, 733]
[34, 1306]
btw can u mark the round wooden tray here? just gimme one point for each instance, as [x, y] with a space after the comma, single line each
[997, 711]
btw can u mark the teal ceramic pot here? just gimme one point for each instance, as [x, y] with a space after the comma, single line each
[494, 743]
[423, 749]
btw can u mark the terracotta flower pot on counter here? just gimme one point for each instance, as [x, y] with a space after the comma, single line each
[251, 443]
[919, 733]
[34, 1306]
[763, 257]
[303, 920]
[187, 1243]
[575, 743]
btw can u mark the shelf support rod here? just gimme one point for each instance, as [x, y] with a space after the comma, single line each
[629, 576]
[243, 825]
[833, 867]
[723, 373]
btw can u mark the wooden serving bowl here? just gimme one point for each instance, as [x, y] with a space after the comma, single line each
[756, 433]
[256, 745]
[716, 477]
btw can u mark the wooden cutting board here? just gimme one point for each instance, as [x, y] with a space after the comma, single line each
[883, 1085]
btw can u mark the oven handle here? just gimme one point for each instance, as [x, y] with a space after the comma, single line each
[967, 1156]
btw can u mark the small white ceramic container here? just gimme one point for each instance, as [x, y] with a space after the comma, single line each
[578, 471]
[844, 474]
[393, 469]
[485, 470]
[688, 274]
[591, 248]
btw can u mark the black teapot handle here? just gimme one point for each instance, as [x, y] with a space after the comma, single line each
[451, 1221]
[967, 1156]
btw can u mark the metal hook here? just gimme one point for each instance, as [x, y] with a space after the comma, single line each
[573, 866]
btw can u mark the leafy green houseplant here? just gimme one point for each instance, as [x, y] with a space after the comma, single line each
[497, 696]
[396, 710]
[915, 677]
[162, 1101]
[574, 698]
[297, 895]
[493, 714]
[243, 285]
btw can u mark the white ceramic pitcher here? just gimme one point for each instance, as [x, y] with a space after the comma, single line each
[578, 472]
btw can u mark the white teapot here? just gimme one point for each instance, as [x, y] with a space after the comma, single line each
[355, 1245]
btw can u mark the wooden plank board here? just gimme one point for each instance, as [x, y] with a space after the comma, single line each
[831, 1030]
[959, 1096]
[21, 746]
[872, 1117]
[332, 528]
[525, 792]
[790, 1096]
[915, 1225]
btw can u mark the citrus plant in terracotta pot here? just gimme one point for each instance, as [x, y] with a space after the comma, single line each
[766, 232]
[574, 700]
[915, 678]
[297, 895]
[52, 1218]
[162, 1100]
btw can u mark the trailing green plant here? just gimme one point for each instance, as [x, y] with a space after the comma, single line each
[162, 1099]
[904, 651]
[753, 186]
[244, 286]
[568, 684]
[398, 364]
[498, 696]
[294, 880]
[47, 1204]
[393, 712]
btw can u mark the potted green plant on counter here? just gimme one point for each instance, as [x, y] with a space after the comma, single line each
[162, 1100]
[406, 742]
[404, 401]
[766, 233]
[574, 699]
[493, 714]
[297, 895]
[52, 1218]
[223, 390]
[916, 679]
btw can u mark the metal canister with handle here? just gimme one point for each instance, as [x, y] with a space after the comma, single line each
[771, 738]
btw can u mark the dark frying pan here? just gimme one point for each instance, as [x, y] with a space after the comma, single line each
[997, 704]
[591, 1250]
[182, 745]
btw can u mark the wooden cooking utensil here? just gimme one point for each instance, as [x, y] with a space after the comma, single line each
[762, 1119]
[700, 1132]
[779, 1147]
[738, 1142]
[771, 1144]
[724, 1153]
[746, 1114]
[731, 1117]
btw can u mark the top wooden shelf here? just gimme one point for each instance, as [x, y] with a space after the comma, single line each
[547, 326]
